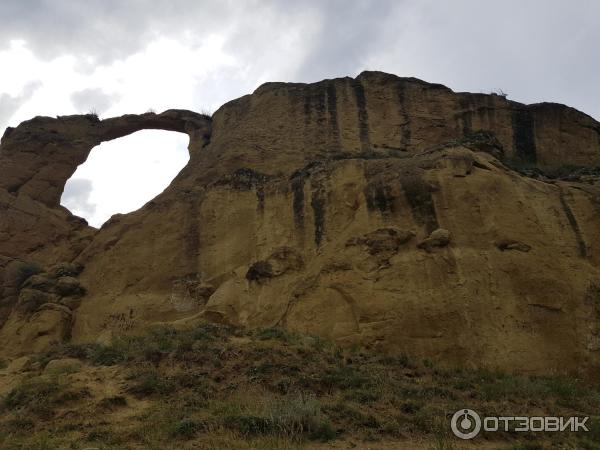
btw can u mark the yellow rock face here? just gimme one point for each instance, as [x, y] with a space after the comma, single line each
[375, 210]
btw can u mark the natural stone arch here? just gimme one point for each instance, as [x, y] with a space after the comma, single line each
[40, 155]
[122, 175]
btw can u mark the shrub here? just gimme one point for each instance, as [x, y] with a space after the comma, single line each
[206, 113]
[248, 424]
[353, 416]
[272, 333]
[104, 435]
[104, 355]
[26, 270]
[185, 428]
[400, 361]
[40, 395]
[113, 402]
[151, 382]
[294, 417]
[299, 415]
[93, 114]
[343, 377]
[362, 396]
[19, 423]
[32, 392]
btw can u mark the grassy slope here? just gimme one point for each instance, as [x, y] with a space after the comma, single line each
[218, 388]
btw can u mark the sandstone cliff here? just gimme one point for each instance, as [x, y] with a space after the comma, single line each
[380, 210]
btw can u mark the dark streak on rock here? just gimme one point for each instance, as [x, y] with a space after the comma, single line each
[316, 119]
[307, 110]
[581, 245]
[363, 117]
[260, 199]
[402, 99]
[334, 127]
[192, 234]
[245, 179]
[419, 197]
[298, 202]
[379, 197]
[318, 205]
[523, 135]
[466, 115]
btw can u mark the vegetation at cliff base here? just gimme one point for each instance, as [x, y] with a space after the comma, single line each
[219, 387]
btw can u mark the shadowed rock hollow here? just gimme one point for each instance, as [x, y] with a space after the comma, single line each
[381, 210]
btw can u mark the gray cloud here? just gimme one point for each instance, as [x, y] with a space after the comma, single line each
[535, 50]
[76, 197]
[348, 33]
[112, 29]
[108, 29]
[92, 99]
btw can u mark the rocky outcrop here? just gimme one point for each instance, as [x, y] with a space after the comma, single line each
[42, 314]
[36, 160]
[377, 210]
[281, 261]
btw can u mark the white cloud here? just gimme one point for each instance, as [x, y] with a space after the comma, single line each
[76, 197]
[92, 100]
[196, 71]
[125, 174]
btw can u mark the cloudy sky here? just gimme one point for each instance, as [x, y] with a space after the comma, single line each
[113, 57]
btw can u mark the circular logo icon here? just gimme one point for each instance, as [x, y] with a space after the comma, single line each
[466, 424]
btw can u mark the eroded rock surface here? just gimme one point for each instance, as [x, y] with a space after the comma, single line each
[381, 210]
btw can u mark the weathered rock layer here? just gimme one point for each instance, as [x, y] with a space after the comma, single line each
[379, 210]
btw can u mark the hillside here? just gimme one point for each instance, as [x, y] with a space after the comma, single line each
[215, 387]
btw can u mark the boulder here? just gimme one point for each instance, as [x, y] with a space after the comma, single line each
[40, 282]
[510, 244]
[438, 238]
[31, 299]
[69, 286]
[63, 365]
[67, 270]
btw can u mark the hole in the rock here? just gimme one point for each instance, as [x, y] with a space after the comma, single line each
[121, 176]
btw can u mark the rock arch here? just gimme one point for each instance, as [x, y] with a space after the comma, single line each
[40, 155]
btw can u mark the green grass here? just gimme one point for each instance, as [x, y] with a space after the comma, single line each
[40, 395]
[295, 417]
[150, 382]
[152, 347]
[276, 334]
